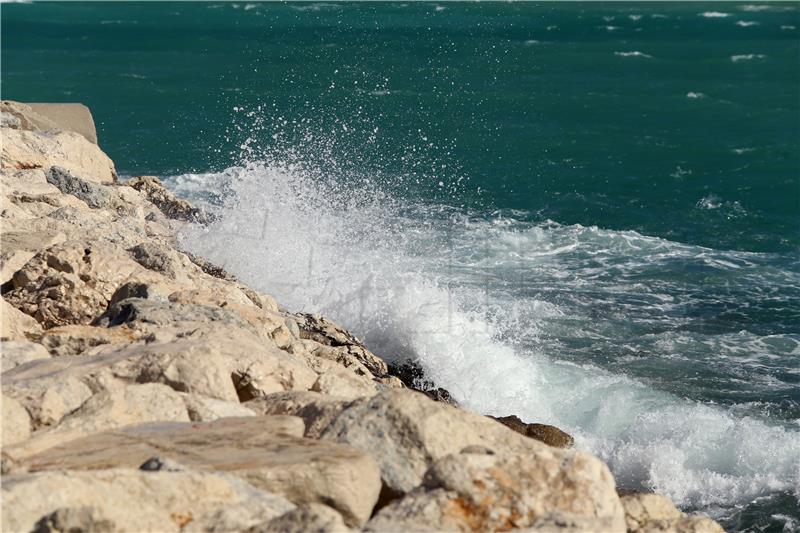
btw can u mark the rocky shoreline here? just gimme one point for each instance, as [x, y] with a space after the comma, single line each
[145, 389]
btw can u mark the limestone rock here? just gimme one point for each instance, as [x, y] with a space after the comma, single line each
[490, 492]
[74, 339]
[264, 451]
[316, 409]
[120, 200]
[15, 353]
[325, 332]
[16, 325]
[68, 116]
[340, 382]
[550, 435]
[406, 432]
[133, 500]
[131, 404]
[169, 204]
[26, 181]
[205, 409]
[72, 282]
[16, 423]
[21, 116]
[42, 149]
[312, 518]
[651, 513]
[47, 400]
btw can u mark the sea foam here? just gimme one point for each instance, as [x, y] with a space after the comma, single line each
[418, 280]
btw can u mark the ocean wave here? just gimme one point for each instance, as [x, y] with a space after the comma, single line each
[747, 23]
[475, 297]
[714, 14]
[694, 95]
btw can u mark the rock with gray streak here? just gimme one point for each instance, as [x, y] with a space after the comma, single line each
[267, 452]
[134, 500]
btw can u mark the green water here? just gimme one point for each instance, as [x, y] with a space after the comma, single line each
[643, 159]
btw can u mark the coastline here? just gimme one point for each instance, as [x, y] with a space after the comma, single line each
[134, 371]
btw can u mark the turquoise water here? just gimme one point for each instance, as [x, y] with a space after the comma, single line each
[585, 214]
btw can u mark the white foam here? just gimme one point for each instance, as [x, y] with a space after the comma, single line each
[635, 53]
[694, 95]
[747, 23]
[407, 278]
[714, 14]
[746, 57]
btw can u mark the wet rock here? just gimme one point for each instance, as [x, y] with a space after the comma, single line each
[264, 451]
[134, 500]
[169, 204]
[410, 373]
[550, 435]
[499, 492]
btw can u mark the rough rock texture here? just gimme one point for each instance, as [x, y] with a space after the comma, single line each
[24, 149]
[146, 389]
[16, 353]
[312, 518]
[484, 491]
[403, 429]
[169, 204]
[267, 452]
[16, 325]
[648, 512]
[164, 501]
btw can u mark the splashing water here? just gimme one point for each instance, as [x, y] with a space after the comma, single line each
[619, 338]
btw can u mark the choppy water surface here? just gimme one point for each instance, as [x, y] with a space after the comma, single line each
[583, 214]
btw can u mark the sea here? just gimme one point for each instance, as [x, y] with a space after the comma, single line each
[583, 214]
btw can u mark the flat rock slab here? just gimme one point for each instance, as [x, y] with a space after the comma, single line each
[268, 452]
[73, 117]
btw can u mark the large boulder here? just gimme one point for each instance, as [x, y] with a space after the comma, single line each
[134, 500]
[24, 149]
[267, 452]
[404, 430]
[215, 361]
[478, 490]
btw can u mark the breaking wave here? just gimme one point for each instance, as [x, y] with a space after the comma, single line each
[585, 328]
